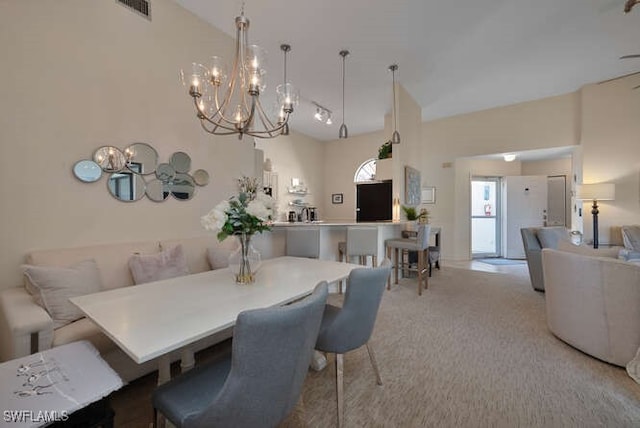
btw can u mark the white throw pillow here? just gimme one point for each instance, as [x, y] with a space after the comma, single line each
[53, 286]
[631, 237]
[154, 267]
[219, 255]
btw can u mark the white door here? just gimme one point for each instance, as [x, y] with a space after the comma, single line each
[525, 205]
[485, 217]
[556, 200]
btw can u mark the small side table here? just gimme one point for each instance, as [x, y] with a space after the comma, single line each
[66, 385]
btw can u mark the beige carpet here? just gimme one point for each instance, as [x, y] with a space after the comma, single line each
[473, 351]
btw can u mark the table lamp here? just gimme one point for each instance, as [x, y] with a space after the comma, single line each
[596, 192]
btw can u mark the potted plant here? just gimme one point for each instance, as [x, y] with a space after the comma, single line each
[411, 213]
[385, 151]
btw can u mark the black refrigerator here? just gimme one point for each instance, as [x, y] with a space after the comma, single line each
[374, 201]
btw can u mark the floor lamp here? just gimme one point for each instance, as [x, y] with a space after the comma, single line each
[596, 192]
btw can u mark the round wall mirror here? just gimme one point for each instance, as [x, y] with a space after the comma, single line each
[158, 190]
[141, 158]
[110, 158]
[201, 177]
[126, 186]
[181, 162]
[165, 172]
[183, 187]
[87, 171]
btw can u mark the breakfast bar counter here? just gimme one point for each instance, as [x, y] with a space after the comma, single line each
[334, 231]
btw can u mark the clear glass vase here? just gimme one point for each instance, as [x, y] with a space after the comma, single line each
[245, 261]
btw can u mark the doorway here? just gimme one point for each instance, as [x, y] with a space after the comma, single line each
[485, 217]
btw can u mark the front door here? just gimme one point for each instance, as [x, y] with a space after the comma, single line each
[485, 217]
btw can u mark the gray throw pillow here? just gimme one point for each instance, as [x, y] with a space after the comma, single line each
[166, 264]
[550, 236]
[631, 237]
[53, 286]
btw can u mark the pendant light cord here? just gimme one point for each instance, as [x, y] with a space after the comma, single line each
[395, 116]
[343, 74]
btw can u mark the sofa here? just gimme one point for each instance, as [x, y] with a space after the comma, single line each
[27, 327]
[593, 303]
[534, 239]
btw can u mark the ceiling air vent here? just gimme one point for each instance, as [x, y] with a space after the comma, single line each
[139, 6]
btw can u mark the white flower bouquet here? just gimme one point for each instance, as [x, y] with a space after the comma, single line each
[250, 212]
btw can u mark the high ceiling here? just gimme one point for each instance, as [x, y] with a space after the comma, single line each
[454, 56]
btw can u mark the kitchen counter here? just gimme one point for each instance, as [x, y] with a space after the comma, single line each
[337, 223]
[334, 231]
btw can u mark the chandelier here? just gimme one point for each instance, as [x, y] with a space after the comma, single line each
[231, 104]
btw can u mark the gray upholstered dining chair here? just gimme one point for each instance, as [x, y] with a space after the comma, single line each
[362, 241]
[303, 242]
[260, 383]
[421, 245]
[348, 328]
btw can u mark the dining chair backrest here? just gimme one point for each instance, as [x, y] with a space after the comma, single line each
[271, 352]
[362, 241]
[303, 242]
[424, 230]
[354, 324]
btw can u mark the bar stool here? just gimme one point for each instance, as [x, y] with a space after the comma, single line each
[303, 242]
[362, 242]
[420, 245]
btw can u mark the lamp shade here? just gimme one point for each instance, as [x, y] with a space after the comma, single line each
[596, 192]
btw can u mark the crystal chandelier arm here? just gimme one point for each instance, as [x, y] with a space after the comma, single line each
[239, 110]
[203, 117]
[270, 129]
[215, 130]
[266, 123]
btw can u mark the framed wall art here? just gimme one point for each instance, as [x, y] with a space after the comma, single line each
[428, 195]
[336, 198]
[411, 186]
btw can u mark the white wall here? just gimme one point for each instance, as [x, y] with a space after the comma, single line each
[342, 159]
[78, 75]
[448, 143]
[611, 151]
[296, 156]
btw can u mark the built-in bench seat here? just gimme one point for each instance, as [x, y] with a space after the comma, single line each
[26, 327]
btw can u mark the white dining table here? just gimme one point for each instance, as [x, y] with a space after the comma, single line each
[154, 319]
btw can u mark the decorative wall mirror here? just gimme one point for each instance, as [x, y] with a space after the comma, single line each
[181, 162]
[135, 172]
[201, 177]
[141, 158]
[87, 171]
[110, 159]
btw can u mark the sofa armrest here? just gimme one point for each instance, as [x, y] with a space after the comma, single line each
[25, 327]
[532, 250]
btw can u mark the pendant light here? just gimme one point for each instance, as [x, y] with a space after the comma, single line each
[395, 137]
[343, 133]
[282, 116]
